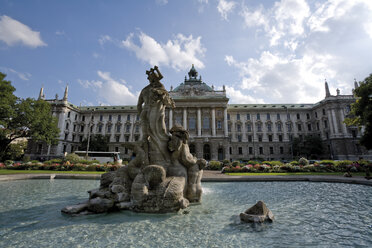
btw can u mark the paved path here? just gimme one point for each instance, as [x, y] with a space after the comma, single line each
[208, 176]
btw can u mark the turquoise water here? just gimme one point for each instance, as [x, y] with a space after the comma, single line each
[307, 215]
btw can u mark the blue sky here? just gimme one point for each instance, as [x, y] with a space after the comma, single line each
[263, 51]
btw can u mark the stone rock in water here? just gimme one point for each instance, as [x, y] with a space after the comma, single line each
[258, 213]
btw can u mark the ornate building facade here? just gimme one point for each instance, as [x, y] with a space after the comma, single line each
[218, 130]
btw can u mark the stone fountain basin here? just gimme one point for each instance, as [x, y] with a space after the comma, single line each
[307, 214]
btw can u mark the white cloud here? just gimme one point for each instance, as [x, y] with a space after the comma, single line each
[103, 39]
[13, 32]
[178, 53]
[225, 7]
[161, 2]
[113, 92]
[202, 4]
[60, 33]
[237, 96]
[22, 75]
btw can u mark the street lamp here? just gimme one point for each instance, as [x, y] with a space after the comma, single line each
[89, 127]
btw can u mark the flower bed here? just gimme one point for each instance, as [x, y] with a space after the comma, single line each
[295, 166]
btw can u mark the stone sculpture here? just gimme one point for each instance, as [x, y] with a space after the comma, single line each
[163, 177]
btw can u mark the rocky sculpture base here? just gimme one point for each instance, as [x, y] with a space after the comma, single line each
[257, 214]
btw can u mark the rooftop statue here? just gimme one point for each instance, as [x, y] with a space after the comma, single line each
[163, 177]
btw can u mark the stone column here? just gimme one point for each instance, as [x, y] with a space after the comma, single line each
[185, 118]
[334, 119]
[199, 122]
[330, 123]
[225, 122]
[213, 122]
[170, 118]
[344, 129]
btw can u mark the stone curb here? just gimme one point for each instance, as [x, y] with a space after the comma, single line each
[209, 177]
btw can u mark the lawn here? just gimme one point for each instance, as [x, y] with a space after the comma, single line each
[294, 174]
[9, 172]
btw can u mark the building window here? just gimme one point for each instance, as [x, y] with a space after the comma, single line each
[240, 150]
[136, 138]
[117, 138]
[219, 124]
[192, 148]
[289, 127]
[288, 116]
[280, 137]
[299, 127]
[74, 128]
[281, 150]
[137, 128]
[206, 123]
[268, 116]
[100, 128]
[258, 116]
[279, 127]
[66, 136]
[110, 117]
[100, 117]
[317, 126]
[76, 117]
[249, 138]
[83, 118]
[239, 128]
[137, 117]
[116, 149]
[271, 150]
[228, 116]
[239, 138]
[316, 115]
[259, 127]
[325, 124]
[323, 111]
[309, 127]
[238, 116]
[298, 116]
[73, 137]
[229, 128]
[118, 128]
[278, 116]
[64, 148]
[128, 117]
[192, 123]
[81, 138]
[109, 129]
[261, 150]
[250, 150]
[179, 120]
[92, 118]
[67, 126]
[119, 117]
[308, 116]
[68, 114]
[269, 127]
[249, 128]
[82, 128]
[259, 138]
[270, 138]
[91, 129]
[230, 150]
[248, 116]
[126, 138]
[127, 128]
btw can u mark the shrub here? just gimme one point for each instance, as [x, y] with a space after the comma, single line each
[327, 162]
[294, 163]
[235, 163]
[214, 165]
[73, 158]
[303, 161]
[273, 163]
[8, 162]
[226, 162]
[34, 161]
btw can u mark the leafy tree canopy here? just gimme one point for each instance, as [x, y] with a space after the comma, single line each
[310, 146]
[24, 118]
[361, 111]
[97, 143]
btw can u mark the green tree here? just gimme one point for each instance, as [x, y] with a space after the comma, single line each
[23, 118]
[98, 143]
[310, 146]
[361, 111]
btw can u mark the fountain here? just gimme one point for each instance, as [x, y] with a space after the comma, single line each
[164, 176]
